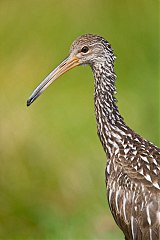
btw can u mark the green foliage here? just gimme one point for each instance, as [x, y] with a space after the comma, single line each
[52, 164]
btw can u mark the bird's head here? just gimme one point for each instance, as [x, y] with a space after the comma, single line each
[87, 49]
[91, 49]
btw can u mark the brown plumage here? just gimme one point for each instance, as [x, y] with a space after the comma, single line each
[133, 166]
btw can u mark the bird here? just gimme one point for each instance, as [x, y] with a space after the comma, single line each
[132, 172]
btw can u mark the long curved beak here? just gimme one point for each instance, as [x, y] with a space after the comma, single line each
[67, 64]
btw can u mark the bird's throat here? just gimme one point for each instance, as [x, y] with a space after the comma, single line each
[107, 115]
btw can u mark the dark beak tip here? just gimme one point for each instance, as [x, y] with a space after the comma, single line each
[29, 102]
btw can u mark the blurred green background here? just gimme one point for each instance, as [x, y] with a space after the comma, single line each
[52, 183]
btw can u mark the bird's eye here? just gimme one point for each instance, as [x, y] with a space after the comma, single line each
[84, 49]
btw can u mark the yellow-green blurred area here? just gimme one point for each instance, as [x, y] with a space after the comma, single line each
[52, 183]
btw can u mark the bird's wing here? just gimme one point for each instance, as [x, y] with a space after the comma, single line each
[135, 200]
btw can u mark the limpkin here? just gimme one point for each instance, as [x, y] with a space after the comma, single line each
[133, 165]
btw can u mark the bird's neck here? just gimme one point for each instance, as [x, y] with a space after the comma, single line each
[110, 124]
